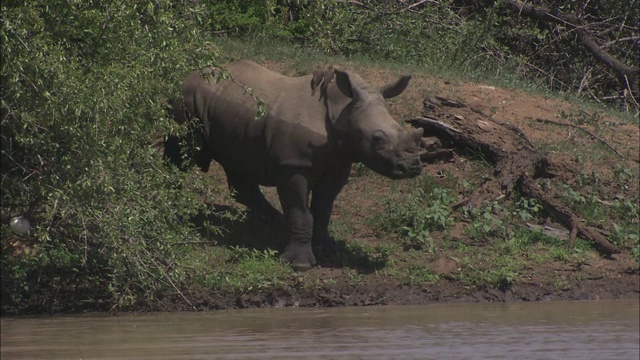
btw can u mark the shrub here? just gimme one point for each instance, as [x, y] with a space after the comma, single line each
[414, 216]
[486, 39]
[84, 90]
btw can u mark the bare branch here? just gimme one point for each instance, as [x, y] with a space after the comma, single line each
[628, 38]
[584, 37]
[594, 136]
[353, 2]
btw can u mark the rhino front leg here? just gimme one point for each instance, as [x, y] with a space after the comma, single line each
[293, 191]
[324, 195]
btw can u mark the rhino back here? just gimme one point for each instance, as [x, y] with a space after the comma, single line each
[288, 99]
[292, 134]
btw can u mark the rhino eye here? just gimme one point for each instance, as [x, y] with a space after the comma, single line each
[379, 139]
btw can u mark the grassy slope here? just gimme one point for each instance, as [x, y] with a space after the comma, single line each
[400, 241]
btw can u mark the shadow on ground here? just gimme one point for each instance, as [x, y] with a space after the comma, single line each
[254, 231]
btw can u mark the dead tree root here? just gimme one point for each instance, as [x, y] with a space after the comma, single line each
[518, 164]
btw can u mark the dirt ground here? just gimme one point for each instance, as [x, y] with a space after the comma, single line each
[572, 152]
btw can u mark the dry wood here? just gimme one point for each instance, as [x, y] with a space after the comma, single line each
[440, 154]
[459, 203]
[435, 124]
[567, 218]
[518, 164]
[559, 233]
[574, 23]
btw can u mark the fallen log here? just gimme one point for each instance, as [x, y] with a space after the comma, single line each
[518, 164]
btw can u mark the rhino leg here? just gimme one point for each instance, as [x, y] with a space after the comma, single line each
[172, 151]
[324, 194]
[293, 191]
[249, 195]
[202, 158]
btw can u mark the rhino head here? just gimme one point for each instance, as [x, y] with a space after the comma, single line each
[364, 125]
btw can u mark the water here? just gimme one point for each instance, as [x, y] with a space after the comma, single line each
[551, 330]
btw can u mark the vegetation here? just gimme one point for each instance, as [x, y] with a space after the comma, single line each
[588, 48]
[84, 90]
[414, 215]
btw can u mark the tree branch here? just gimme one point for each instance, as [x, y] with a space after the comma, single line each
[571, 20]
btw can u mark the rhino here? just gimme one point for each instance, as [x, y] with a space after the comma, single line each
[305, 143]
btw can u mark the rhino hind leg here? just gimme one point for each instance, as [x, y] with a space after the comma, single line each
[202, 158]
[249, 195]
[174, 152]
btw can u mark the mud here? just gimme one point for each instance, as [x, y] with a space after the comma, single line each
[389, 292]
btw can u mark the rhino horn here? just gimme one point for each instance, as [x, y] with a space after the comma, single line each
[395, 88]
[416, 135]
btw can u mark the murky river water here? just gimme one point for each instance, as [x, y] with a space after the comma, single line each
[551, 330]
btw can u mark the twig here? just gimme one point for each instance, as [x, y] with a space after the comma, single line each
[168, 278]
[584, 37]
[353, 2]
[22, 41]
[628, 84]
[516, 130]
[176, 289]
[584, 81]
[594, 136]
[628, 38]
[559, 233]
[459, 204]
[410, 7]
[208, 242]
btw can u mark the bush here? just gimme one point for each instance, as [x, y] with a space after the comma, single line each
[413, 216]
[485, 39]
[84, 90]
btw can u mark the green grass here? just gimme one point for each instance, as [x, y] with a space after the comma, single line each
[413, 215]
[502, 264]
[236, 270]
[361, 256]
[410, 268]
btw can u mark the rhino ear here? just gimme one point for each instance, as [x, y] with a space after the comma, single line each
[346, 86]
[344, 83]
[395, 88]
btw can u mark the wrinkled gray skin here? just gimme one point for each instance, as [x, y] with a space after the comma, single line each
[305, 144]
